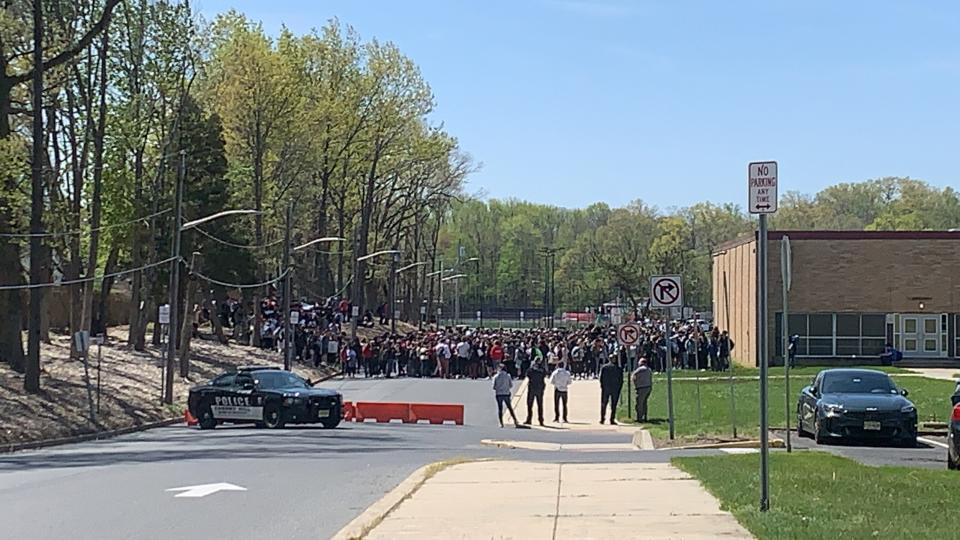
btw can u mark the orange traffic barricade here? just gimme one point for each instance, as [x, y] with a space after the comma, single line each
[348, 411]
[189, 418]
[436, 413]
[382, 412]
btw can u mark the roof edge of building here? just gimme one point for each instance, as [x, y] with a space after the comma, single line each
[951, 234]
[736, 242]
[865, 235]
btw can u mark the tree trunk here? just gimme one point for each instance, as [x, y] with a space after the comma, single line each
[213, 308]
[47, 298]
[186, 327]
[136, 317]
[11, 271]
[102, 317]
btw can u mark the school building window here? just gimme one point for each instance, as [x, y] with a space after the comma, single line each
[834, 334]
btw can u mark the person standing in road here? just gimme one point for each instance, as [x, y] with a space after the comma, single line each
[642, 378]
[560, 379]
[502, 385]
[611, 380]
[442, 352]
[536, 384]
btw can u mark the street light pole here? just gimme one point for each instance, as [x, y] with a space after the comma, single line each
[393, 292]
[288, 337]
[174, 283]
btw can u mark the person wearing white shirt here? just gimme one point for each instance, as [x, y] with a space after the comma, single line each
[560, 379]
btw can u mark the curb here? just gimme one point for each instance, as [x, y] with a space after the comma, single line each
[643, 440]
[16, 447]
[100, 435]
[362, 524]
[754, 443]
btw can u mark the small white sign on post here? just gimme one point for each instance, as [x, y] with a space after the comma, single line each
[666, 291]
[762, 182]
[521, 316]
[163, 316]
[423, 310]
[356, 311]
[294, 317]
[82, 341]
[478, 315]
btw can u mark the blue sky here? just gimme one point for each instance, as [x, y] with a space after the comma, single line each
[568, 102]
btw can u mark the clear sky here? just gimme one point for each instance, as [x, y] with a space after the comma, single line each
[568, 102]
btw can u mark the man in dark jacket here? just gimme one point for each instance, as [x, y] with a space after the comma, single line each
[536, 383]
[611, 381]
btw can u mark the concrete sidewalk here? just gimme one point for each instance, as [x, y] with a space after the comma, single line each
[947, 374]
[583, 401]
[526, 500]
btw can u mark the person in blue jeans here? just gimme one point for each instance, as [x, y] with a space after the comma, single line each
[502, 385]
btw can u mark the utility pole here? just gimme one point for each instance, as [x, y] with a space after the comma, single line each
[31, 379]
[174, 282]
[440, 303]
[288, 331]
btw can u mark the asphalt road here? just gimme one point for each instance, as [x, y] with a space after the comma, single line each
[300, 482]
[928, 453]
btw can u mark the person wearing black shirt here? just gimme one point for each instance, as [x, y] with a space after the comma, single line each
[611, 381]
[536, 384]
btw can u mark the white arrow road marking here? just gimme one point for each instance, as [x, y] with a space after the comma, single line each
[203, 490]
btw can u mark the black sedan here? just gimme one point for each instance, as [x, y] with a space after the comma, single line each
[268, 397]
[953, 436]
[856, 404]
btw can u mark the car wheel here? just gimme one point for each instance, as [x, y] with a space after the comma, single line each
[330, 423]
[909, 442]
[800, 431]
[818, 436]
[207, 420]
[272, 416]
[951, 464]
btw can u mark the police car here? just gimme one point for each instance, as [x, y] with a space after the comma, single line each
[266, 396]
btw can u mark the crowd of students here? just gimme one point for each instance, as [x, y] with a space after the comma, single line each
[322, 337]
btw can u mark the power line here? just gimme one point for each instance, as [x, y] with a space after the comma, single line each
[239, 285]
[79, 232]
[233, 245]
[84, 280]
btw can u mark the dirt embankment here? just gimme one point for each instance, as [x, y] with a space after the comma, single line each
[130, 386]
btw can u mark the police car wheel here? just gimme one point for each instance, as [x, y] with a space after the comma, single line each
[207, 420]
[272, 417]
[330, 423]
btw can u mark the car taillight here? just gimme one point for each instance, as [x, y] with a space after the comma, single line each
[956, 413]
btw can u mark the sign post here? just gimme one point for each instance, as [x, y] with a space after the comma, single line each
[762, 186]
[667, 292]
[628, 335]
[98, 341]
[786, 278]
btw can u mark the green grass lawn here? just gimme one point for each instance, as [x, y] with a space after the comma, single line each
[931, 396]
[816, 495]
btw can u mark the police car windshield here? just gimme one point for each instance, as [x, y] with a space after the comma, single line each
[279, 379]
